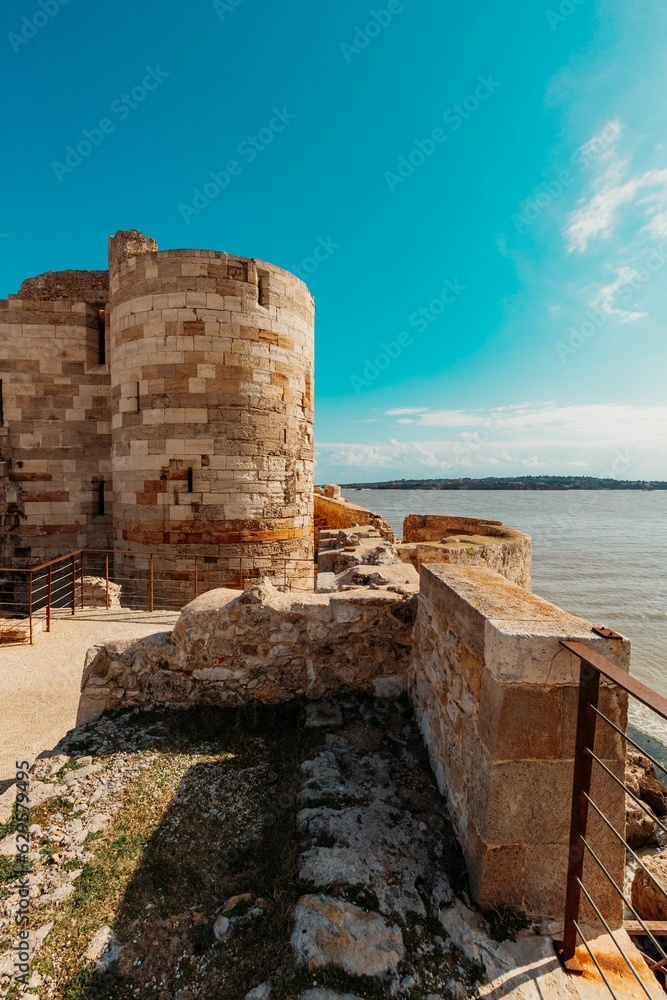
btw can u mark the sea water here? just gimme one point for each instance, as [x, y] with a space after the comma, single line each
[601, 554]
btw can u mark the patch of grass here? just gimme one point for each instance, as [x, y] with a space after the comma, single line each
[10, 870]
[195, 828]
[10, 825]
[42, 814]
[504, 923]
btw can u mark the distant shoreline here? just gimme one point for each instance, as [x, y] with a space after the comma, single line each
[535, 483]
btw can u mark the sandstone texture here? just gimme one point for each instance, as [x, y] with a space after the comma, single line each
[333, 511]
[467, 541]
[329, 931]
[496, 695]
[641, 818]
[165, 404]
[357, 557]
[649, 891]
[264, 645]
[96, 594]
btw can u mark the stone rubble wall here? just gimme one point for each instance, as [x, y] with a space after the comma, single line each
[230, 649]
[496, 695]
[467, 541]
[334, 512]
[350, 558]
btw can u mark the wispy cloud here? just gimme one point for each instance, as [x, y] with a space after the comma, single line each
[505, 440]
[606, 299]
[615, 188]
[405, 410]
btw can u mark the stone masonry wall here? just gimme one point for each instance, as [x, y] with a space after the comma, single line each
[212, 427]
[55, 402]
[496, 694]
[331, 512]
[263, 645]
[467, 541]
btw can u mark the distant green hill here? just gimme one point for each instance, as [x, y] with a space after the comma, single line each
[511, 483]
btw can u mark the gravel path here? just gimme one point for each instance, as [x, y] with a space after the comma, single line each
[39, 685]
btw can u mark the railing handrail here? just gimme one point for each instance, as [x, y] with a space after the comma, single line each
[133, 552]
[593, 666]
[598, 662]
[44, 565]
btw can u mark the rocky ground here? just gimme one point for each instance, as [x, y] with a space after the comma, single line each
[285, 852]
[349, 558]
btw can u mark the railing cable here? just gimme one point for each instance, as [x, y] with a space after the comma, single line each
[611, 934]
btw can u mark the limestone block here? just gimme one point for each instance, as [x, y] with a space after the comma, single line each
[497, 698]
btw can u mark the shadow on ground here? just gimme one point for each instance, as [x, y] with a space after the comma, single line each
[225, 829]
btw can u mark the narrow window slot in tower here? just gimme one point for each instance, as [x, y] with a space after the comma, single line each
[2, 409]
[99, 488]
[138, 397]
[191, 481]
[263, 288]
[101, 337]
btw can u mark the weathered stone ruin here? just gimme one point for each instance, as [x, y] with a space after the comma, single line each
[165, 404]
[492, 688]
[163, 410]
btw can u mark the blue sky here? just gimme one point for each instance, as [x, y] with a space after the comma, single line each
[476, 195]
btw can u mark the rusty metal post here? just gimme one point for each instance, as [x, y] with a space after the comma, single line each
[48, 599]
[30, 605]
[196, 577]
[106, 576]
[589, 689]
[82, 579]
[151, 590]
[73, 584]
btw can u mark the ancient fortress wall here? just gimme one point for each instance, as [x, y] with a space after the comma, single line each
[263, 645]
[494, 691]
[212, 424]
[496, 695]
[165, 405]
[467, 541]
[333, 511]
[55, 418]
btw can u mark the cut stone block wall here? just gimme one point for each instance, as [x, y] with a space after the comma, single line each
[212, 422]
[467, 541]
[182, 379]
[230, 649]
[56, 436]
[496, 695]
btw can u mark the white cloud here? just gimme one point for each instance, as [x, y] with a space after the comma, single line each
[533, 462]
[605, 300]
[609, 439]
[598, 216]
[404, 411]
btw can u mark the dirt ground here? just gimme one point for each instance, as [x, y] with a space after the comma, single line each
[39, 685]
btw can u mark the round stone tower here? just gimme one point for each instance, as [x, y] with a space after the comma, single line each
[212, 419]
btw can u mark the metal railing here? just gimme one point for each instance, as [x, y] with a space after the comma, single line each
[651, 935]
[31, 597]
